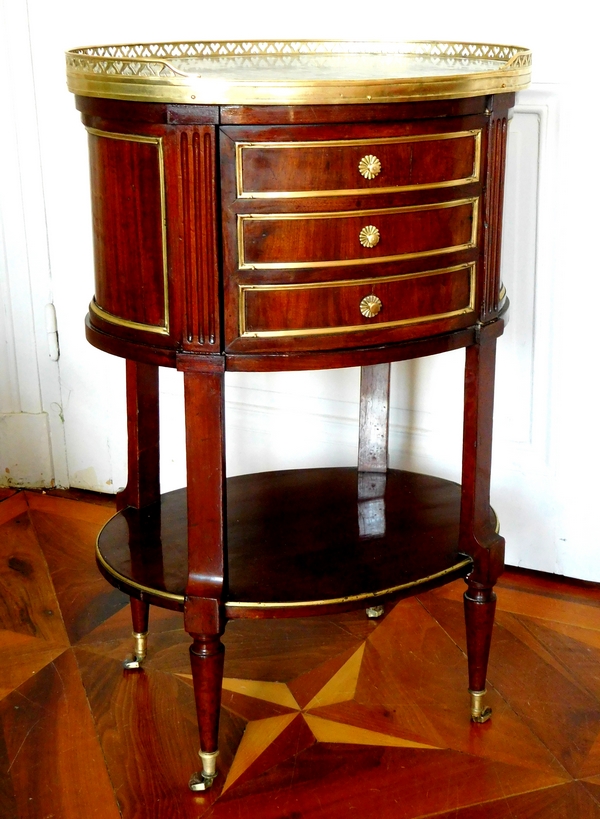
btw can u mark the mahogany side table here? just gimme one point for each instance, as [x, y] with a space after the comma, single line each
[290, 206]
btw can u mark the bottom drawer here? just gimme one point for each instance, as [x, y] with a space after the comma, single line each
[325, 308]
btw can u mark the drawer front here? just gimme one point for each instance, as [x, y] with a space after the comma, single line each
[326, 239]
[354, 166]
[326, 308]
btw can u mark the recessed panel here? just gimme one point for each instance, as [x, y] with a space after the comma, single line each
[129, 230]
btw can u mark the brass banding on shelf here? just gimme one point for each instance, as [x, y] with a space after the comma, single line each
[234, 604]
[355, 597]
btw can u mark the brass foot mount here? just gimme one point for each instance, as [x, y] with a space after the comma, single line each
[373, 612]
[203, 780]
[479, 712]
[140, 649]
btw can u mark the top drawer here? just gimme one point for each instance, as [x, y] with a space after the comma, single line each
[352, 166]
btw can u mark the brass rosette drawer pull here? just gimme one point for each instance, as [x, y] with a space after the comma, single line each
[369, 166]
[370, 306]
[369, 236]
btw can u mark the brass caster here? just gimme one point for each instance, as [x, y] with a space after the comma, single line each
[203, 780]
[373, 612]
[200, 782]
[479, 712]
[140, 645]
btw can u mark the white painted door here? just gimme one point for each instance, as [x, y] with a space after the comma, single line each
[32, 442]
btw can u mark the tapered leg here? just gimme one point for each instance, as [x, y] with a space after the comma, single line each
[207, 560]
[143, 480]
[207, 655]
[480, 607]
[139, 615]
[478, 535]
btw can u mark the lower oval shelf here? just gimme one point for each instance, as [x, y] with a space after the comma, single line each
[299, 542]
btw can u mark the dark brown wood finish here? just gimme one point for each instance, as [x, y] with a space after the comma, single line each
[191, 168]
[117, 744]
[127, 209]
[143, 455]
[262, 209]
[288, 532]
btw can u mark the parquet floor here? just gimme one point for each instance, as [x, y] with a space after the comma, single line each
[323, 717]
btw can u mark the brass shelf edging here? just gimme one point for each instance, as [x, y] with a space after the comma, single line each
[236, 604]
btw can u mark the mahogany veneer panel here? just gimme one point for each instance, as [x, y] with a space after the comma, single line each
[128, 232]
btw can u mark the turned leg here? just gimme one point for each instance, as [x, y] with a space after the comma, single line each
[143, 479]
[139, 615]
[480, 606]
[207, 654]
[478, 535]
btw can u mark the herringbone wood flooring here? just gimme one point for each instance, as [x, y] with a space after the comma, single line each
[321, 717]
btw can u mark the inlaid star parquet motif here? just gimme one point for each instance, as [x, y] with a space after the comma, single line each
[321, 718]
[285, 719]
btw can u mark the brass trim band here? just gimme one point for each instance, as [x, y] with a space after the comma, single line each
[121, 322]
[237, 604]
[240, 147]
[163, 329]
[183, 72]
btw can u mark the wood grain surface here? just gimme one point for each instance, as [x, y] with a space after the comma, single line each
[320, 717]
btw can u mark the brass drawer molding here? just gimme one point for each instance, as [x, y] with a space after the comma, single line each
[310, 292]
[369, 236]
[369, 166]
[250, 225]
[370, 306]
[250, 155]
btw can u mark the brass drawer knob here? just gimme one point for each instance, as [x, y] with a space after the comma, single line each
[370, 306]
[369, 236]
[369, 166]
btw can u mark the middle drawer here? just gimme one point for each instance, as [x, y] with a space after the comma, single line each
[326, 239]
